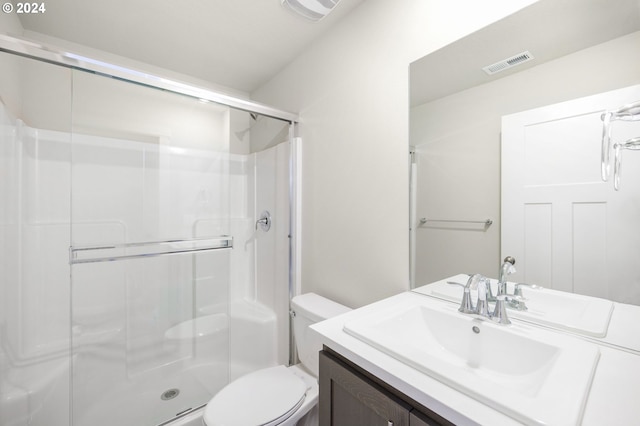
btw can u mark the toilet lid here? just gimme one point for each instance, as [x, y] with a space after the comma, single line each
[263, 398]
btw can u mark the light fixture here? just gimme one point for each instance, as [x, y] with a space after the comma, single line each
[313, 10]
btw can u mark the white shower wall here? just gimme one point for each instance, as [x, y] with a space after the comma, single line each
[34, 290]
[272, 266]
[260, 303]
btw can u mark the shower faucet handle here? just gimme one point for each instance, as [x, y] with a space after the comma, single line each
[264, 221]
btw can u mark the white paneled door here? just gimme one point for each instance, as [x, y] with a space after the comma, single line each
[567, 229]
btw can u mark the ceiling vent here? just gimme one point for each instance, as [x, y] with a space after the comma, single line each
[511, 62]
[313, 10]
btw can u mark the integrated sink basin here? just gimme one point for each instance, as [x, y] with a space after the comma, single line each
[588, 316]
[533, 375]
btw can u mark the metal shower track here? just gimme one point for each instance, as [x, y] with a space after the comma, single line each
[59, 57]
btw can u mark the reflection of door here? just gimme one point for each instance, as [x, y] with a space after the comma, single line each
[567, 228]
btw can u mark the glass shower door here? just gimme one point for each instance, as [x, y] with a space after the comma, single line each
[136, 281]
[35, 119]
[143, 354]
[150, 253]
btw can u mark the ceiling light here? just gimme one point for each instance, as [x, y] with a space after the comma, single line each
[313, 10]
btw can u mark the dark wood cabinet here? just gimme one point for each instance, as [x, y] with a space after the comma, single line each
[349, 399]
[350, 396]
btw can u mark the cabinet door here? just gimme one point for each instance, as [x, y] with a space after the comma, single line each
[349, 399]
[418, 419]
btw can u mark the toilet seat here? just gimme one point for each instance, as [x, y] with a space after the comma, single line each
[265, 397]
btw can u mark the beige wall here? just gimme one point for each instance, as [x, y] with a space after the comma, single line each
[351, 90]
[35, 92]
[10, 90]
[457, 140]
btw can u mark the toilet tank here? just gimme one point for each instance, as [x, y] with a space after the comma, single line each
[309, 309]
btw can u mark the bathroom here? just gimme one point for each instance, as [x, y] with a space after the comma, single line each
[353, 129]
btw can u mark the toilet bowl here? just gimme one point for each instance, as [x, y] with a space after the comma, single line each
[278, 395]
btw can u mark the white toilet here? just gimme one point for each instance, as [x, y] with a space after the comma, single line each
[277, 395]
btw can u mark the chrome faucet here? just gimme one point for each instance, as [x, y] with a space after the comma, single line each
[507, 268]
[517, 302]
[517, 291]
[481, 308]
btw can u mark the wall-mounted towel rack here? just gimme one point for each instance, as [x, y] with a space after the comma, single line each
[113, 252]
[629, 112]
[487, 222]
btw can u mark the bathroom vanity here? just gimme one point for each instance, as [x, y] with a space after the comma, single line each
[352, 396]
[413, 359]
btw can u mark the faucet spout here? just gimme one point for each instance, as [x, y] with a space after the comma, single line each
[507, 268]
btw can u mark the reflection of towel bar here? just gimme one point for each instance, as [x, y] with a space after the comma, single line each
[629, 112]
[487, 222]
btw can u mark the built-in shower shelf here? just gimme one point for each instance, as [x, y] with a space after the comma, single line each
[113, 252]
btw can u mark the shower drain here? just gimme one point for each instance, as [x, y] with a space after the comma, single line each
[169, 394]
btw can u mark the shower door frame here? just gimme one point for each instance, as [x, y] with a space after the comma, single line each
[60, 57]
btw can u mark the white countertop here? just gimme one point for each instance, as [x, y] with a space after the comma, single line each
[613, 397]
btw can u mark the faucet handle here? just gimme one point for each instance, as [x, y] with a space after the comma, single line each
[466, 305]
[517, 291]
[482, 307]
[516, 302]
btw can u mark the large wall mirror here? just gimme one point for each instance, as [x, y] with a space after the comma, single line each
[583, 55]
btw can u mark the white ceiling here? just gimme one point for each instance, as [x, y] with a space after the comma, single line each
[549, 29]
[240, 44]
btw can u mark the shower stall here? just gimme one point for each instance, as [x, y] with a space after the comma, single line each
[137, 278]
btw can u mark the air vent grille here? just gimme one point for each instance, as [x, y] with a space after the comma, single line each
[508, 63]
